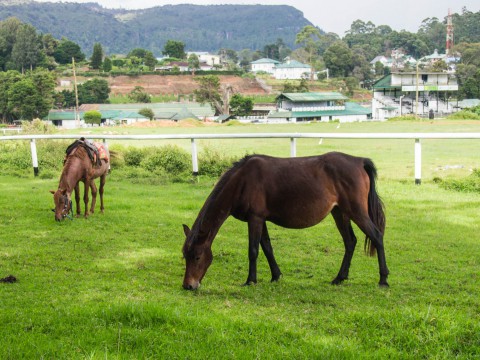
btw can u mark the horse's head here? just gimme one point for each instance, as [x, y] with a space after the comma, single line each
[198, 257]
[63, 204]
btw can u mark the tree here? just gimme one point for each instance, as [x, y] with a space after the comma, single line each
[67, 50]
[150, 60]
[107, 65]
[147, 112]
[7, 80]
[175, 49]
[309, 37]
[26, 51]
[338, 59]
[139, 95]
[92, 117]
[193, 63]
[241, 105]
[95, 91]
[97, 57]
[209, 92]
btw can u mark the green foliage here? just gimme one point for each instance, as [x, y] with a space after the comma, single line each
[147, 112]
[464, 114]
[404, 118]
[175, 49]
[209, 91]
[97, 57]
[468, 184]
[67, 50]
[214, 163]
[241, 105]
[37, 126]
[92, 117]
[169, 158]
[138, 95]
[95, 91]
[107, 65]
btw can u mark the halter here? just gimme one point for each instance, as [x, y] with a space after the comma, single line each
[66, 207]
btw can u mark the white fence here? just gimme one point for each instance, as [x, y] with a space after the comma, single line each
[292, 136]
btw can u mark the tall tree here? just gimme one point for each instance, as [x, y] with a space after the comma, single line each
[338, 59]
[26, 51]
[97, 57]
[67, 50]
[309, 37]
[193, 63]
[95, 91]
[209, 92]
[175, 49]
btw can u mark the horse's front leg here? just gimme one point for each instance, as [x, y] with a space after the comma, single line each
[268, 251]
[85, 196]
[93, 187]
[76, 190]
[255, 227]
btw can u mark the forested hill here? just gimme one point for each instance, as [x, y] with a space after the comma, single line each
[201, 28]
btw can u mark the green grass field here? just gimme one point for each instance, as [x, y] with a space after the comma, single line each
[109, 287]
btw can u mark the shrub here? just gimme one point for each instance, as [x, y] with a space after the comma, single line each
[170, 158]
[464, 115]
[37, 126]
[470, 183]
[134, 156]
[213, 163]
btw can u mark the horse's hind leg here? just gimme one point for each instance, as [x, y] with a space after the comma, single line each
[102, 184]
[349, 240]
[268, 251]
[376, 238]
[93, 187]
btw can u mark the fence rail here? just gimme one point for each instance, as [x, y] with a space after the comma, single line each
[292, 136]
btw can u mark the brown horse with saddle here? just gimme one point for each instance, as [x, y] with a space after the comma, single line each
[84, 161]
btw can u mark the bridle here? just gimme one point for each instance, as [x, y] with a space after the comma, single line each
[65, 212]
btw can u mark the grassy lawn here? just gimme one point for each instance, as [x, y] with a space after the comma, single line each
[109, 287]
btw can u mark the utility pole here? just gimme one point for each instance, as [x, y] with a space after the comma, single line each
[77, 114]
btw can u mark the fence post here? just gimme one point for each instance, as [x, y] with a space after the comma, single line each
[194, 157]
[418, 162]
[33, 148]
[293, 147]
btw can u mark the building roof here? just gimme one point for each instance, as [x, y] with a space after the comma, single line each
[292, 64]
[265, 61]
[161, 110]
[385, 83]
[313, 96]
[351, 108]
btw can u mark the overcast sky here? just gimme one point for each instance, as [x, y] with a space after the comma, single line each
[334, 15]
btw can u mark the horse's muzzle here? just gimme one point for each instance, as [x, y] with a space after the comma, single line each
[194, 286]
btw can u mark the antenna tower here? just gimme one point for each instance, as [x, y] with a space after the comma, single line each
[449, 44]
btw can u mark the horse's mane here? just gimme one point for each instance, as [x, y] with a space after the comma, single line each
[219, 186]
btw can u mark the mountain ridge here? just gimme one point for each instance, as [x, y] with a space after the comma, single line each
[200, 27]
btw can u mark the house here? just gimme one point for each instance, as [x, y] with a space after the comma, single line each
[264, 65]
[396, 94]
[318, 106]
[292, 70]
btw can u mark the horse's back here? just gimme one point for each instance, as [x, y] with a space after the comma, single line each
[297, 192]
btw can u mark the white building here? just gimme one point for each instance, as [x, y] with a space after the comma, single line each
[264, 65]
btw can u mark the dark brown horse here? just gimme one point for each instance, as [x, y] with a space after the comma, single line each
[293, 193]
[79, 167]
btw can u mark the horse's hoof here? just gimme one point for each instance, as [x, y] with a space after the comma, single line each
[337, 281]
[249, 283]
[276, 278]
[383, 285]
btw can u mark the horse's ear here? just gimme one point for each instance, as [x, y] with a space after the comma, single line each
[52, 191]
[186, 230]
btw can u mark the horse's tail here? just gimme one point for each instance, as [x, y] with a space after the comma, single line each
[375, 205]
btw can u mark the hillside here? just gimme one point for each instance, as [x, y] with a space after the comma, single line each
[170, 84]
[201, 28]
